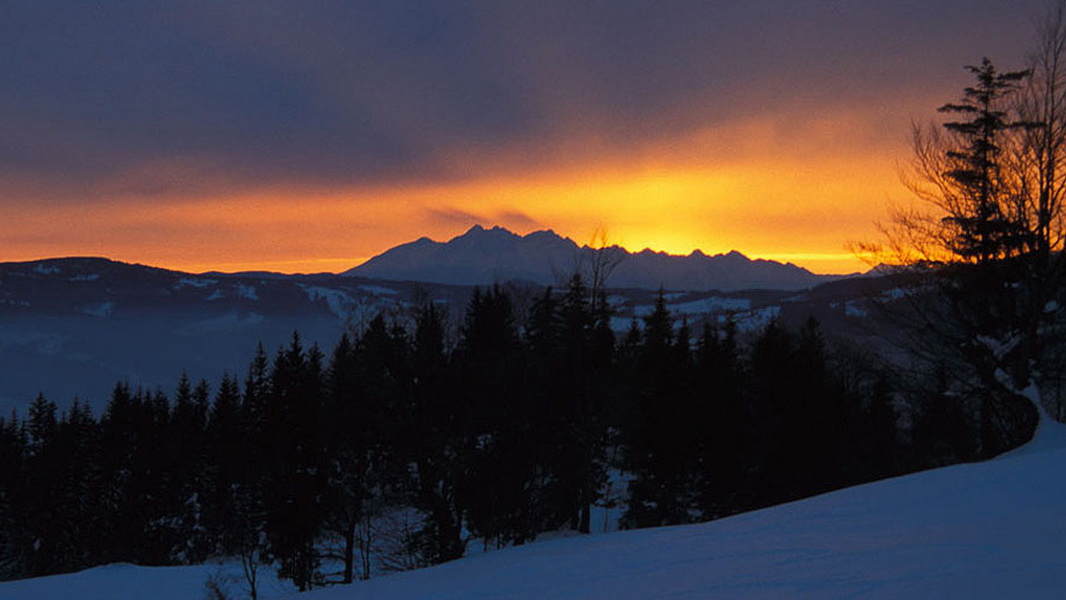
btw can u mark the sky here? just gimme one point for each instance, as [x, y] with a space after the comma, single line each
[307, 136]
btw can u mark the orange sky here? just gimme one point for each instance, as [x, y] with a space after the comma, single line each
[305, 137]
[753, 186]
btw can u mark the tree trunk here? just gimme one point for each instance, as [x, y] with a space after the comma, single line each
[349, 551]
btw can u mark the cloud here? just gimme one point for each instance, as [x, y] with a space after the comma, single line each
[416, 117]
[453, 217]
[518, 220]
[367, 92]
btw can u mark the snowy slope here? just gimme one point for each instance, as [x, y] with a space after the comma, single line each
[131, 582]
[988, 530]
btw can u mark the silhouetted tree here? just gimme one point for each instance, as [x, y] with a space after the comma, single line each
[660, 447]
[439, 444]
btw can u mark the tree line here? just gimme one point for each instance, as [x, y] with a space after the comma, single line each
[516, 424]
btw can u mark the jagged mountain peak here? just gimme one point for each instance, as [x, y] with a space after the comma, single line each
[483, 256]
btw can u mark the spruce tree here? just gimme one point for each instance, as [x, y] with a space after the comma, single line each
[227, 454]
[438, 446]
[293, 484]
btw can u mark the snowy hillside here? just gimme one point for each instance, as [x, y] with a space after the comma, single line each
[987, 530]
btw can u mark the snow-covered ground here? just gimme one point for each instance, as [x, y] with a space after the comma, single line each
[130, 582]
[988, 530]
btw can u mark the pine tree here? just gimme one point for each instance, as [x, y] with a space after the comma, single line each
[661, 445]
[587, 346]
[293, 483]
[985, 225]
[720, 412]
[501, 498]
[255, 457]
[437, 442]
[79, 487]
[346, 454]
[185, 447]
[44, 477]
[771, 392]
[228, 454]
[15, 537]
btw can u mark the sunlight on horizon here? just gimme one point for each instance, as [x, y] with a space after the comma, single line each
[759, 211]
[716, 191]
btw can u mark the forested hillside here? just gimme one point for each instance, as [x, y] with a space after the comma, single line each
[403, 446]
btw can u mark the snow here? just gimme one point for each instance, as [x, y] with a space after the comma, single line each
[247, 292]
[894, 294]
[853, 308]
[711, 305]
[128, 582]
[753, 320]
[193, 282]
[985, 530]
[100, 311]
[643, 310]
[377, 290]
[1050, 435]
[621, 324]
[339, 302]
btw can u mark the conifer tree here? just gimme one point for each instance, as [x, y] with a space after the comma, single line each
[227, 454]
[346, 453]
[15, 538]
[500, 445]
[293, 482]
[437, 443]
[660, 446]
[722, 419]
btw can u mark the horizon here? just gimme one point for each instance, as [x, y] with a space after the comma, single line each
[310, 138]
[347, 266]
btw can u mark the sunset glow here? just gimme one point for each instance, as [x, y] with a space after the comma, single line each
[294, 145]
[802, 213]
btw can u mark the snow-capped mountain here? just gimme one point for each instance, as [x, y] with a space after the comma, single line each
[485, 256]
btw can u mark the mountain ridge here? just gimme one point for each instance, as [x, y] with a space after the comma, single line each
[482, 256]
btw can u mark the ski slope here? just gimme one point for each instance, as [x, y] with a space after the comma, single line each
[987, 530]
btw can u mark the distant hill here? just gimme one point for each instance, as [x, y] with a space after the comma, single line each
[72, 327]
[75, 326]
[485, 256]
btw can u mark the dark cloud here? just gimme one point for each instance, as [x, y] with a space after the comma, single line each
[340, 91]
[518, 220]
[453, 217]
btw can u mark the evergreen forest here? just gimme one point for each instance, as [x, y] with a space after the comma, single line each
[417, 440]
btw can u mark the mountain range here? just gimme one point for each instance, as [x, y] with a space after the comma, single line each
[73, 327]
[485, 256]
